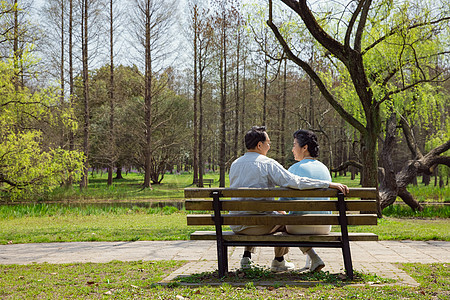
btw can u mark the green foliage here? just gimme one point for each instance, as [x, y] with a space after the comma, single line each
[429, 211]
[28, 166]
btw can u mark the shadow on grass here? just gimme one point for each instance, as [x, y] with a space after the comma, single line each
[261, 276]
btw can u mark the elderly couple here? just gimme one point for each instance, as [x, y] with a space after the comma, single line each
[255, 170]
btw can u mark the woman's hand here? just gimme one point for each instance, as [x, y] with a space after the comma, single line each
[339, 186]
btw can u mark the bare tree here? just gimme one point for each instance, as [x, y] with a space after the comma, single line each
[114, 16]
[196, 29]
[153, 21]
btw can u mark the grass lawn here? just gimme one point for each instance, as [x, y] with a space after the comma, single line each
[74, 217]
[58, 223]
[171, 189]
[136, 280]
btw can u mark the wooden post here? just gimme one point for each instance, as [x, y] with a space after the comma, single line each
[222, 254]
[345, 241]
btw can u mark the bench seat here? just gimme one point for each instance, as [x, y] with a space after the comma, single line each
[309, 219]
[230, 236]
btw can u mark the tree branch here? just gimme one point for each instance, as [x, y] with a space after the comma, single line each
[390, 93]
[348, 33]
[362, 24]
[410, 140]
[313, 75]
[347, 164]
[302, 9]
[396, 30]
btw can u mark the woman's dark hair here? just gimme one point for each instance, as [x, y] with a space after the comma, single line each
[254, 136]
[306, 137]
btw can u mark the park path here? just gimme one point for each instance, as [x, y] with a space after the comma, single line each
[379, 257]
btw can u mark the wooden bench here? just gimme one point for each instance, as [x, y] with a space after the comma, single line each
[207, 181]
[345, 212]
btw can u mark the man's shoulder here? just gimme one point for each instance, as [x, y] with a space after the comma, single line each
[254, 158]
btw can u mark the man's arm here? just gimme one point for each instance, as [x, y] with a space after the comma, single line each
[284, 178]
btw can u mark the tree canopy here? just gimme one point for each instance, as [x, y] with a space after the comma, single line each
[30, 165]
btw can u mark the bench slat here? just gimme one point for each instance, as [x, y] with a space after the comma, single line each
[365, 193]
[287, 205]
[332, 236]
[311, 219]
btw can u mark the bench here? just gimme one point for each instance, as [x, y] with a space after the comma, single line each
[345, 212]
[207, 181]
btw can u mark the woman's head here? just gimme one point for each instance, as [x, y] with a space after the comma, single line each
[305, 144]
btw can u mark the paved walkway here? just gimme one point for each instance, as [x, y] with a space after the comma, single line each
[370, 257]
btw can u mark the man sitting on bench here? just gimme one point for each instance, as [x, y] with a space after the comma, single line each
[255, 170]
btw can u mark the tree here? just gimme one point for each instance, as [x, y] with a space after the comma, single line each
[85, 77]
[153, 21]
[28, 166]
[360, 20]
[393, 184]
[113, 16]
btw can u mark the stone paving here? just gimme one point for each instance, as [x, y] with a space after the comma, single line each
[378, 258]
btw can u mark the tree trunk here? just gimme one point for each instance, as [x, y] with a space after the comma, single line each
[195, 150]
[148, 100]
[200, 127]
[422, 164]
[71, 82]
[119, 172]
[61, 70]
[283, 116]
[243, 126]
[223, 104]
[84, 24]
[112, 141]
[388, 189]
[237, 102]
[16, 45]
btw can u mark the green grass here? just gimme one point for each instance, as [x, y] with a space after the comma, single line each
[130, 189]
[62, 223]
[389, 228]
[430, 193]
[82, 281]
[263, 274]
[429, 211]
[127, 189]
[136, 280]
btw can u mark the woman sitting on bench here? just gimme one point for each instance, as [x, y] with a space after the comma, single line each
[306, 150]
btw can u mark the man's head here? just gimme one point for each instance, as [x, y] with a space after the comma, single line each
[257, 140]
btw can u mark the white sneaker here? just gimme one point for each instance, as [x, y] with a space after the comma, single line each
[307, 266]
[246, 263]
[316, 264]
[280, 266]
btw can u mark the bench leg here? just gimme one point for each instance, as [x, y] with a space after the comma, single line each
[222, 259]
[345, 240]
[347, 259]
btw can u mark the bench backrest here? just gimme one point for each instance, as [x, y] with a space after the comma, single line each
[350, 206]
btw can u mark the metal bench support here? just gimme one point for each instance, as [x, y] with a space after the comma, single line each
[345, 240]
[222, 252]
